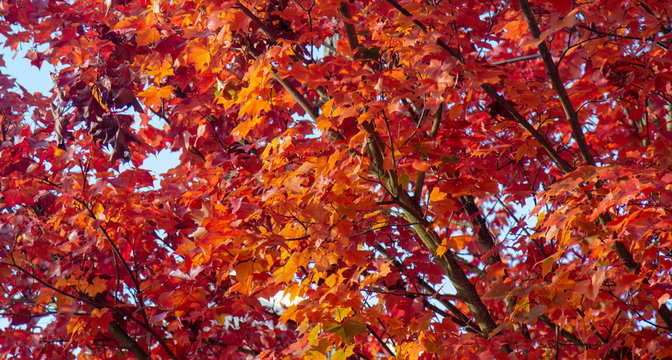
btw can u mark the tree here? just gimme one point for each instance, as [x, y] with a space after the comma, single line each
[436, 179]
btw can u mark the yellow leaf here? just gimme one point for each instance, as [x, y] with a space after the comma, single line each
[333, 158]
[331, 280]
[338, 355]
[313, 338]
[341, 313]
[459, 242]
[254, 107]
[243, 128]
[74, 325]
[43, 296]
[98, 313]
[547, 265]
[326, 108]
[324, 125]
[221, 318]
[525, 150]
[98, 211]
[96, 95]
[124, 24]
[346, 330]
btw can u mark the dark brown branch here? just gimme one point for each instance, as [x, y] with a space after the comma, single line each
[298, 97]
[666, 315]
[255, 19]
[380, 340]
[238, 348]
[562, 163]
[480, 226]
[350, 31]
[127, 341]
[566, 334]
[552, 70]
[559, 87]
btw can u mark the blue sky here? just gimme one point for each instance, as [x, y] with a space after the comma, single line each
[39, 80]
[30, 77]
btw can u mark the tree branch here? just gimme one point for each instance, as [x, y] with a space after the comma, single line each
[350, 31]
[498, 98]
[552, 70]
[380, 340]
[127, 341]
[298, 97]
[562, 163]
[456, 315]
[559, 87]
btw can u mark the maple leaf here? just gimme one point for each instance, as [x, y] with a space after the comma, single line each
[147, 36]
[372, 166]
[153, 95]
[347, 330]
[97, 286]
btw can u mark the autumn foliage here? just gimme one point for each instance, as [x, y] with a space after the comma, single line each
[440, 179]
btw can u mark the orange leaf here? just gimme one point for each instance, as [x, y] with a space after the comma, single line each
[420, 165]
[437, 195]
[147, 36]
[98, 286]
[199, 55]
[441, 250]
[153, 95]
[596, 281]
[243, 270]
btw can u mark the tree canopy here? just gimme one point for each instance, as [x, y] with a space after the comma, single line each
[357, 180]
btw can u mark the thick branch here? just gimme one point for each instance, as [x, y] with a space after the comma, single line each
[412, 213]
[455, 314]
[559, 87]
[552, 70]
[350, 31]
[298, 97]
[255, 19]
[128, 342]
[480, 227]
[562, 163]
